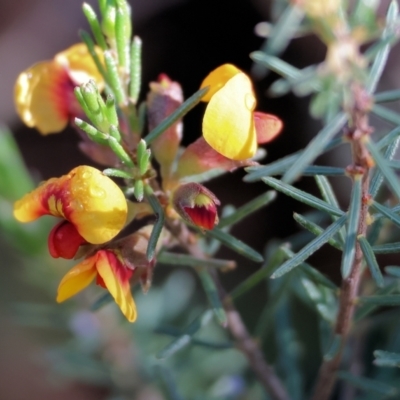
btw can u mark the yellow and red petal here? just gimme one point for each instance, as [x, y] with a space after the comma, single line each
[88, 199]
[77, 279]
[268, 126]
[64, 240]
[228, 123]
[41, 97]
[116, 279]
[204, 217]
[217, 79]
[79, 64]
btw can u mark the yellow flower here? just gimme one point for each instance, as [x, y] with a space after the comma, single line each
[44, 93]
[87, 199]
[229, 125]
[110, 272]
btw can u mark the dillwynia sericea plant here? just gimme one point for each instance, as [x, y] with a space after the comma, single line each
[155, 188]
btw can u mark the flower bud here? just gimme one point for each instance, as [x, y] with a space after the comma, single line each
[64, 240]
[196, 205]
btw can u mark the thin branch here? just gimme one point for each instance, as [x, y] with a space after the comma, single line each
[245, 343]
[349, 289]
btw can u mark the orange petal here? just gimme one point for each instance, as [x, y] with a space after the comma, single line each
[85, 197]
[77, 279]
[217, 79]
[228, 124]
[116, 278]
[268, 126]
[37, 99]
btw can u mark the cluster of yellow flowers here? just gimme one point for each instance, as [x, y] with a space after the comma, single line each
[93, 208]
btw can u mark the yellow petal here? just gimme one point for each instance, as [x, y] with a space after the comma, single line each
[35, 98]
[80, 65]
[77, 279]
[85, 197]
[116, 281]
[217, 79]
[228, 124]
[99, 206]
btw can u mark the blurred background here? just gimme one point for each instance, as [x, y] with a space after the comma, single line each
[185, 39]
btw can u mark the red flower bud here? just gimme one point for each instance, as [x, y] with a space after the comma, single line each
[64, 240]
[196, 205]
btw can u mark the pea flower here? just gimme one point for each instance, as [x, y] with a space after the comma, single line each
[230, 124]
[196, 205]
[44, 93]
[113, 268]
[93, 207]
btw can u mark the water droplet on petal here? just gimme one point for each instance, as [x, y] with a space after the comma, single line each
[77, 205]
[86, 174]
[97, 192]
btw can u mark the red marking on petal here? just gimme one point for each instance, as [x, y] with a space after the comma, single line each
[120, 270]
[100, 282]
[203, 217]
[64, 97]
[64, 240]
[268, 126]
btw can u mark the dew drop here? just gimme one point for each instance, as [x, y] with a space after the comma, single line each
[77, 205]
[86, 174]
[97, 192]
[250, 101]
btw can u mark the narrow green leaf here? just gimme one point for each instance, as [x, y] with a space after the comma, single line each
[387, 248]
[111, 111]
[91, 48]
[387, 96]
[371, 261]
[275, 64]
[113, 78]
[386, 359]
[310, 248]
[377, 178]
[389, 175]
[382, 55]
[158, 225]
[138, 190]
[185, 339]
[94, 25]
[122, 38]
[387, 212]
[367, 308]
[117, 173]
[313, 170]
[235, 244]
[247, 209]
[119, 151]
[102, 301]
[174, 332]
[386, 114]
[329, 196]
[92, 132]
[212, 295]
[352, 226]
[281, 165]
[368, 385]
[393, 270]
[388, 138]
[303, 197]
[315, 147]
[381, 300]
[168, 382]
[183, 109]
[190, 261]
[314, 229]
[259, 275]
[136, 69]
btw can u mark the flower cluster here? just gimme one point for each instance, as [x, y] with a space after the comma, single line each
[92, 207]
